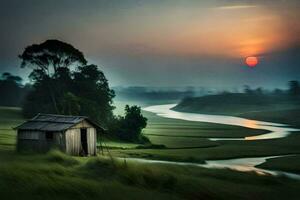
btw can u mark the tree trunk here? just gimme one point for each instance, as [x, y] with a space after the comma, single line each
[52, 96]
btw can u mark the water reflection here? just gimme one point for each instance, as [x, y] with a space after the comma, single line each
[240, 164]
[248, 165]
[275, 130]
[250, 124]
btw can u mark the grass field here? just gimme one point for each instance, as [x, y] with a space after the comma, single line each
[188, 141]
[58, 176]
[290, 163]
[285, 116]
[222, 150]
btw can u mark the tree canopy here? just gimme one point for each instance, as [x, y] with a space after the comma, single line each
[63, 83]
[51, 55]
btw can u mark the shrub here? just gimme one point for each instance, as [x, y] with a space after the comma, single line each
[129, 127]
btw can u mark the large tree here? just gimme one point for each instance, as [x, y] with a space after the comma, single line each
[63, 83]
[92, 87]
[51, 55]
[47, 59]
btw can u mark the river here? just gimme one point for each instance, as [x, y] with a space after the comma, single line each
[276, 130]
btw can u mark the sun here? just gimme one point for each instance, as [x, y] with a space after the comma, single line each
[251, 61]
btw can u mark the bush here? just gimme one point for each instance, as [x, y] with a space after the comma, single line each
[129, 127]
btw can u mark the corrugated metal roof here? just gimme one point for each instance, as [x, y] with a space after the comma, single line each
[49, 122]
[58, 118]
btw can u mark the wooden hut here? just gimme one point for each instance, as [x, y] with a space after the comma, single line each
[75, 135]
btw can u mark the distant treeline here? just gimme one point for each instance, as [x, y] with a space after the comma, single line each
[154, 94]
[12, 91]
[251, 100]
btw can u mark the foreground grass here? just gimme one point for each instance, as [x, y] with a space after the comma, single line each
[57, 176]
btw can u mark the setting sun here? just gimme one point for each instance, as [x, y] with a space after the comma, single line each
[251, 61]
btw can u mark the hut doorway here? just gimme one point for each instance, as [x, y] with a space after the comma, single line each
[84, 144]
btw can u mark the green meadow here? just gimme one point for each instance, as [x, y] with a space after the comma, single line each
[57, 176]
[189, 141]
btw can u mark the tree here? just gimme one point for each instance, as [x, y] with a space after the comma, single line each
[294, 88]
[70, 104]
[51, 55]
[247, 89]
[130, 126]
[47, 58]
[82, 90]
[92, 87]
[12, 90]
[11, 78]
[278, 92]
[134, 119]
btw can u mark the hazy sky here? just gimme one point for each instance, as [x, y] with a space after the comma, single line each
[163, 43]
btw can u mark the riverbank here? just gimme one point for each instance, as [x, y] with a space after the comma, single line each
[289, 163]
[264, 107]
[285, 116]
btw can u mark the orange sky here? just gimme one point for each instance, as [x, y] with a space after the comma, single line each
[174, 42]
[230, 31]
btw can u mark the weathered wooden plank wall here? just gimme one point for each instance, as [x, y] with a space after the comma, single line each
[91, 134]
[29, 135]
[37, 141]
[73, 141]
[68, 141]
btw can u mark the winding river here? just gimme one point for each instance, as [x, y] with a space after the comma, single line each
[275, 130]
[242, 164]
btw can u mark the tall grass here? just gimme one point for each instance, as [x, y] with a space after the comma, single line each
[57, 156]
[58, 176]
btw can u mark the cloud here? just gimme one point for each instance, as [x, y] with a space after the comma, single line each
[236, 7]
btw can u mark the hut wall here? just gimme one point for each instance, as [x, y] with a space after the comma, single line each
[68, 141]
[37, 141]
[73, 142]
[92, 141]
[73, 139]
[28, 140]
